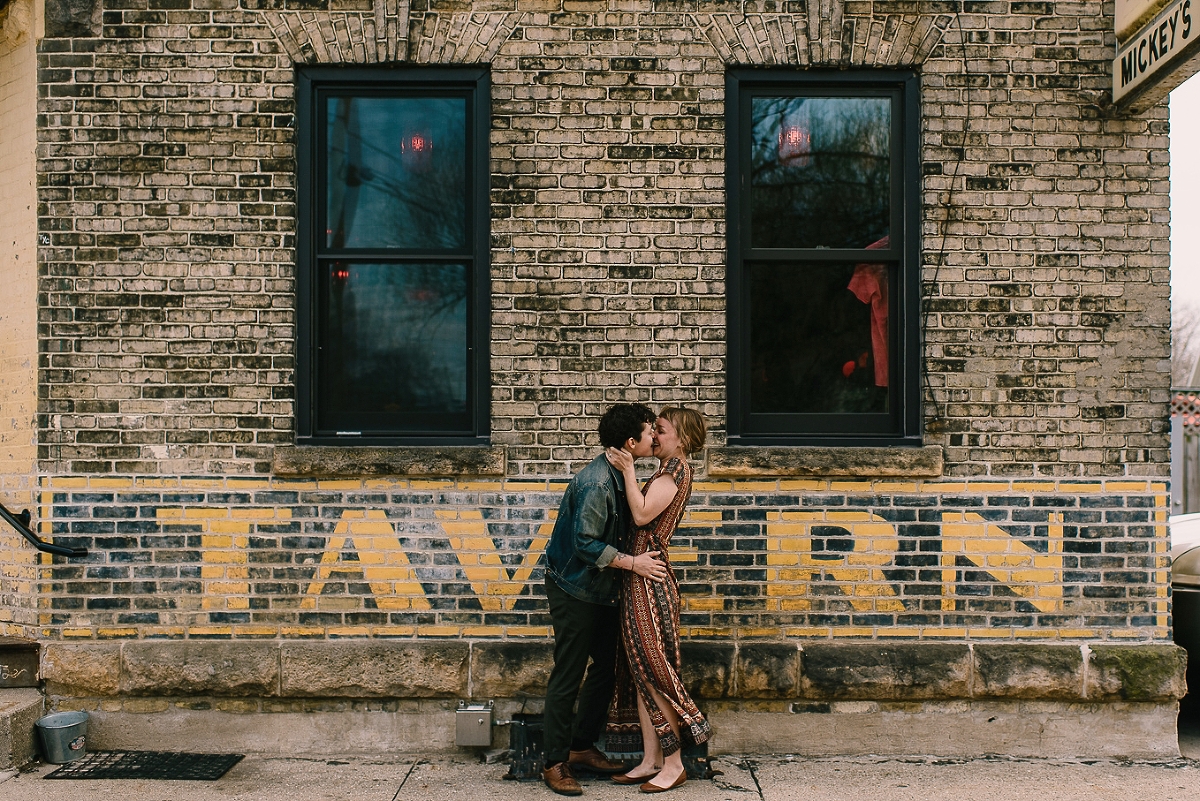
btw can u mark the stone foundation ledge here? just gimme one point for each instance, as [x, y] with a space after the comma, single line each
[963, 728]
[806, 673]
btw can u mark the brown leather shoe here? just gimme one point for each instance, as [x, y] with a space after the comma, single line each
[654, 788]
[560, 780]
[594, 760]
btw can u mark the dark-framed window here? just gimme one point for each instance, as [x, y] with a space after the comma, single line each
[392, 255]
[823, 275]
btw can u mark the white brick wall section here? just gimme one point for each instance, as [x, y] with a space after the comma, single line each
[18, 268]
[18, 307]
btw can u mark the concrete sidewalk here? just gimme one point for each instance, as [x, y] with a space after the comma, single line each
[765, 778]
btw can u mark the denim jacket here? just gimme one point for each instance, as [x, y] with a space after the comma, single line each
[592, 517]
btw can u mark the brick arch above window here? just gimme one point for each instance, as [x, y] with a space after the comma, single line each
[824, 37]
[390, 33]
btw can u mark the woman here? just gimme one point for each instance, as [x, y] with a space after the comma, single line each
[648, 670]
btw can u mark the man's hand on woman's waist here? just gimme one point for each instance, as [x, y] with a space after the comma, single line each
[647, 565]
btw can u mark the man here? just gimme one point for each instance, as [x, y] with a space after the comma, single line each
[582, 586]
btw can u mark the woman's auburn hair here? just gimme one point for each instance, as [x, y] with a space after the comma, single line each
[689, 424]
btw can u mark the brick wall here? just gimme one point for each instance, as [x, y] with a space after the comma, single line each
[166, 185]
[18, 309]
[1046, 250]
[166, 176]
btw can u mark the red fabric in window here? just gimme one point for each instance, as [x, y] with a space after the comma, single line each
[869, 283]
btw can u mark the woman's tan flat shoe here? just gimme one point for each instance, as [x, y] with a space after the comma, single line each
[654, 788]
[625, 778]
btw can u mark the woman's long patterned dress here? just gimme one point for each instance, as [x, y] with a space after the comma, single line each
[649, 653]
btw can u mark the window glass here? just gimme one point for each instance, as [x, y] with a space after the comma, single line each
[823, 273]
[820, 170]
[392, 245]
[819, 337]
[396, 172]
[394, 345]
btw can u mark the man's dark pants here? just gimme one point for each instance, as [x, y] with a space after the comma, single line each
[582, 630]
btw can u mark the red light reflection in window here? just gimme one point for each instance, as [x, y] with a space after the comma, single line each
[795, 145]
[416, 150]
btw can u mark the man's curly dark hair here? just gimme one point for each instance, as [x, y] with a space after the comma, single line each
[623, 421]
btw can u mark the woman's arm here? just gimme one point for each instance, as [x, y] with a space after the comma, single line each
[658, 496]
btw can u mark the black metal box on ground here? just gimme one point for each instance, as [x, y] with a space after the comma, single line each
[528, 745]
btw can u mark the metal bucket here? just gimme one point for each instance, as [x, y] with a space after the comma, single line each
[63, 736]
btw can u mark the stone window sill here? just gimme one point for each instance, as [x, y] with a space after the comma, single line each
[749, 462]
[432, 462]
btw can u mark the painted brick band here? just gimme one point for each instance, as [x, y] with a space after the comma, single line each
[247, 558]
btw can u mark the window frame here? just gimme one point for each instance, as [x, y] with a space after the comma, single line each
[904, 420]
[312, 84]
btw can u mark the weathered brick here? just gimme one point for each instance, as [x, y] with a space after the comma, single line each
[165, 180]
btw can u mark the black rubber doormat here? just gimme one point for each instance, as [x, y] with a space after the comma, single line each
[148, 765]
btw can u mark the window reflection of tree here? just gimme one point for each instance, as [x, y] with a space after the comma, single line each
[398, 339]
[375, 198]
[344, 158]
[397, 333]
[838, 197]
[824, 184]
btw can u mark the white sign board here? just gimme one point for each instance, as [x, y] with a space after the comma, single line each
[1132, 14]
[1173, 32]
